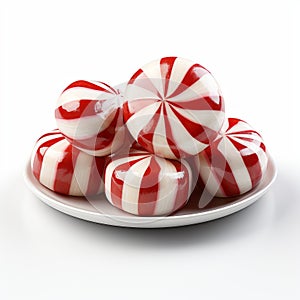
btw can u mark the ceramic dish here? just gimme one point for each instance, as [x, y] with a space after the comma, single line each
[101, 211]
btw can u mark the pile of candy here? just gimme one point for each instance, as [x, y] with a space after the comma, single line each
[147, 147]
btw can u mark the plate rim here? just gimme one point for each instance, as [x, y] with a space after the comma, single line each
[146, 222]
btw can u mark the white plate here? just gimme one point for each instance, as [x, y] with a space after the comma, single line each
[101, 211]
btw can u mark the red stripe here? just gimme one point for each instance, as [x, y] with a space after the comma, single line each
[192, 75]
[202, 103]
[142, 80]
[116, 188]
[96, 175]
[229, 185]
[249, 132]
[76, 109]
[232, 122]
[263, 146]
[65, 170]
[222, 171]
[146, 135]
[40, 153]
[251, 162]
[149, 189]
[196, 130]
[136, 75]
[110, 89]
[90, 85]
[183, 181]
[166, 66]
[127, 112]
[53, 132]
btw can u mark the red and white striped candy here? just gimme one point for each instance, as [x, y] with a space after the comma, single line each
[63, 168]
[147, 185]
[235, 162]
[89, 114]
[173, 107]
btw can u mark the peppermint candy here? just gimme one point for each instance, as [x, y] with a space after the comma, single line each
[173, 107]
[64, 169]
[89, 114]
[147, 185]
[235, 162]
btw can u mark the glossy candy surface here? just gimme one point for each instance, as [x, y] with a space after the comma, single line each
[90, 115]
[173, 107]
[147, 185]
[235, 162]
[63, 168]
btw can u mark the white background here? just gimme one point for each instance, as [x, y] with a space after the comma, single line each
[251, 47]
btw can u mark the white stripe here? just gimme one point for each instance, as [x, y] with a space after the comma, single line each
[179, 70]
[241, 136]
[132, 184]
[42, 141]
[224, 127]
[240, 126]
[135, 92]
[110, 169]
[182, 137]
[160, 143]
[80, 93]
[81, 174]
[212, 184]
[263, 161]
[101, 186]
[123, 160]
[166, 196]
[137, 122]
[236, 163]
[153, 72]
[53, 155]
[205, 86]
[190, 175]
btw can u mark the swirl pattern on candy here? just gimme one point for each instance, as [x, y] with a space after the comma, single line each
[147, 185]
[64, 169]
[90, 115]
[235, 162]
[173, 107]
